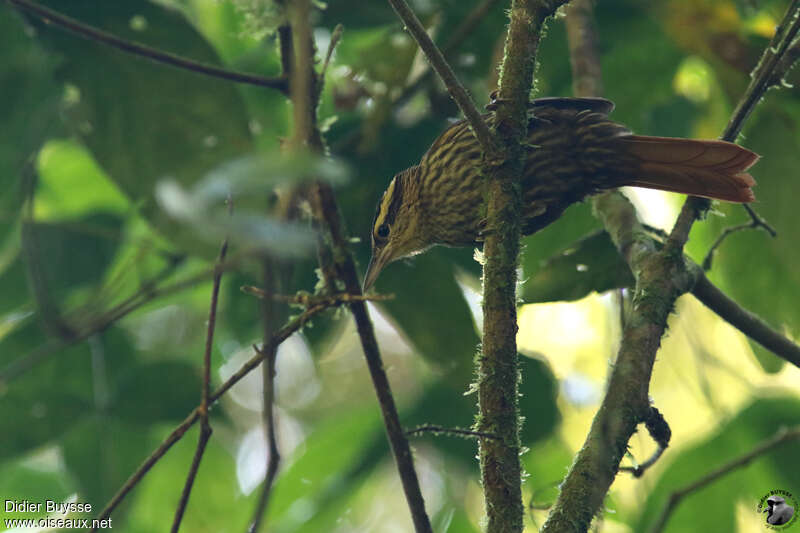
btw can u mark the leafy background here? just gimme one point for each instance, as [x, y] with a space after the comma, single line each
[105, 157]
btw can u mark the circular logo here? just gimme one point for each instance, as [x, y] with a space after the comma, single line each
[779, 508]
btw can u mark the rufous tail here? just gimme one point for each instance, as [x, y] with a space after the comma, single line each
[713, 169]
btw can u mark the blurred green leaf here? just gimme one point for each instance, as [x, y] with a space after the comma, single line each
[654, 59]
[14, 287]
[33, 418]
[321, 472]
[457, 521]
[713, 508]
[101, 452]
[592, 264]
[216, 505]
[68, 254]
[770, 287]
[260, 174]
[157, 392]
[59, 387]
[576, 222]
[29, 480]
[143, 121]
[442, 329]
[248, 229]
[66, 167]
[28, 104]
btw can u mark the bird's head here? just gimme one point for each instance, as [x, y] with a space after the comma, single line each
[398, 229]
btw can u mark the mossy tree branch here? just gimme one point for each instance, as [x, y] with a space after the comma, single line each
[498, 373]
[662, 275]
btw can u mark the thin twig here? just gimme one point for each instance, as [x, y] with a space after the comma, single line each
[458, 36]
[205, 435]
[144, 295]
[281, 335]
[445, 72]
[205, 425]
[145, 467]
[762, 78]
[753, 224]
[783, 435]
[458, 432]
[49, 16]
[273, 457]
[336, 36]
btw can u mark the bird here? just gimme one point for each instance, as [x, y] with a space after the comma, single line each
[572, 149]
[778, 511]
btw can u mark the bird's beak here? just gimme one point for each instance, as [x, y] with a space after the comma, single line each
[379, 259]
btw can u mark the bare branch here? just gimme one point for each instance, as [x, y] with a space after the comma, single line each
[463, 31]
[336, 261]
[205, 426]
[445, 72]
[47, 15]
[762, 78]
[724, 235]
[273, 457]
[281, 335]
[745, 321]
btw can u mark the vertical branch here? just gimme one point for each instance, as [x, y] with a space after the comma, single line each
[205, 426]
[587, 75]
[498, 373]
[337, 263]
[269, 314]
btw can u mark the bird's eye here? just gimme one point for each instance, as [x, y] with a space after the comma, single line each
[383, 231]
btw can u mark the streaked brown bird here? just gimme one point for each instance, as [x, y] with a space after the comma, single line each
[573, 150]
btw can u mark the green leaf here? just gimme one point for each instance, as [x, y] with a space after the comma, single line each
[441, 329]
[35, 481]
[576, 222]
[64, 167]
[216, 503]
[327, 466]
[64, 255]
[34, 418]
[101, 452]
[654, 58]
[144, 121]
[713, 507]
[60, 386]
[591, 264]
[157, 392]
[28, 101]
[446, 404]
[14, 288]
[758, 271]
